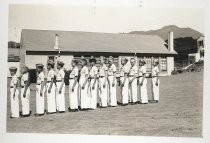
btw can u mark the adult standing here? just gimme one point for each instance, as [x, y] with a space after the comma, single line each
[103, 84]
[112, 82]
[40, 89]
[51, 103]
[155, 81]
[93, 84]
[124, 81]
[142, 82]
[133, 81]
[73, 86]
[14, 93]
[60, 85]
[25, 91]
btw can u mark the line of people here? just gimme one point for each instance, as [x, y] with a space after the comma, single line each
[85, 86]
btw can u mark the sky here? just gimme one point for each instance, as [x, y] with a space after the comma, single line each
[99, 19]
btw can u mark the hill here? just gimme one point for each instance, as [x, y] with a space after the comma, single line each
[178, 32]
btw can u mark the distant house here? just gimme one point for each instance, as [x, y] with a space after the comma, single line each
[13, 59]
[37, 46]
[199, 55]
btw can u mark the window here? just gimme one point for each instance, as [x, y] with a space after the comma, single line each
[163, 64]
[200, 43]
[148, 61]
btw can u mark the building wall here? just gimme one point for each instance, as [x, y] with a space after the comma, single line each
[32, 60]
[170, 65]
[13, 64]
[67, 61]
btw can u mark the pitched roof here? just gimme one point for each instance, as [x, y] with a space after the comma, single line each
[72, 41]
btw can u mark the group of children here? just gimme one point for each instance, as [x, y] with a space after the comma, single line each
[85, 86]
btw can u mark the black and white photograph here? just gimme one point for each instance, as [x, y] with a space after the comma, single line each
[103, 70]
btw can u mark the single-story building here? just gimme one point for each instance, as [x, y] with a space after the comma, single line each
[37, 46]
[13, 60]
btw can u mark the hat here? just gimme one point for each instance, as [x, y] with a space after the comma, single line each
[25, 69]
[110, 58]
[142, 61]
[156, 61]
[40, 65]
[13, 69]
[50, 62]
[124, 59]
[60, 63]
[75, 61]
[92, 60]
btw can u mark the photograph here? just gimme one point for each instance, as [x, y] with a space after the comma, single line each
[126, 71]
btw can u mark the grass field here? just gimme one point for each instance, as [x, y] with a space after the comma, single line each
[178, 114]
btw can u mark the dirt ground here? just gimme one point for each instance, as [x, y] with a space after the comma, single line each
[178, 114]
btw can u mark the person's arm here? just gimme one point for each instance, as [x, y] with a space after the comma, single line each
[125, 77]
[62, 82]
[114, 78]
[94, 83]
[143, 77]
[86, 79]
[51, 83]
[106, 76]
[15, 86]
[25, 88]
[75, 82]
[157, 79]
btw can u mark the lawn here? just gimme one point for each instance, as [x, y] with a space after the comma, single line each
[178, 114]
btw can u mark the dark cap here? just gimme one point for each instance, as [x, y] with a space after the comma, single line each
[13, 69]
[40, 65]
[60, 63]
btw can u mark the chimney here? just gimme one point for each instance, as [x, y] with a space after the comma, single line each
[56, 42]
[171, 41]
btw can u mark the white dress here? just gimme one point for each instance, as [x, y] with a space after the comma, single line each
[60, 97]
[93, 92]
[133, 87]
[84, 93]
[103, 91]
[25, 100]
[39, 98]
[51, 103]
[73, 95]
[143, 88]
[112, 89]
[155, 88]
[14, 99]
[124, 89]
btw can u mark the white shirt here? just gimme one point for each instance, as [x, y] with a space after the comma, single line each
[133, 70]
[50, 75]
[40, 78]
[123, 70]
[155, 70]
[102, 70]
[74, 73]
[111, 70]
[14, 80]
[60, 75]
[23, 79]
[142, 70]
[93, 72]
[84, 71]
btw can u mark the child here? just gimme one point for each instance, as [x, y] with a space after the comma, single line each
[142, 82]
[93, 84]
[14, 93]
[60, 85]
[112, 82]
[103, 82]
[124, 81]
[25, 92]
[51, 104]
[73, 87]
[155, 81]
[83, 82]
[40, 88]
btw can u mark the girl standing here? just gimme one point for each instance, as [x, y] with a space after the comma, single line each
[14, 93]
[124, 81]
[73, 87]
[60, 85]
[142, 82]
[112, 82]
[25, 92]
